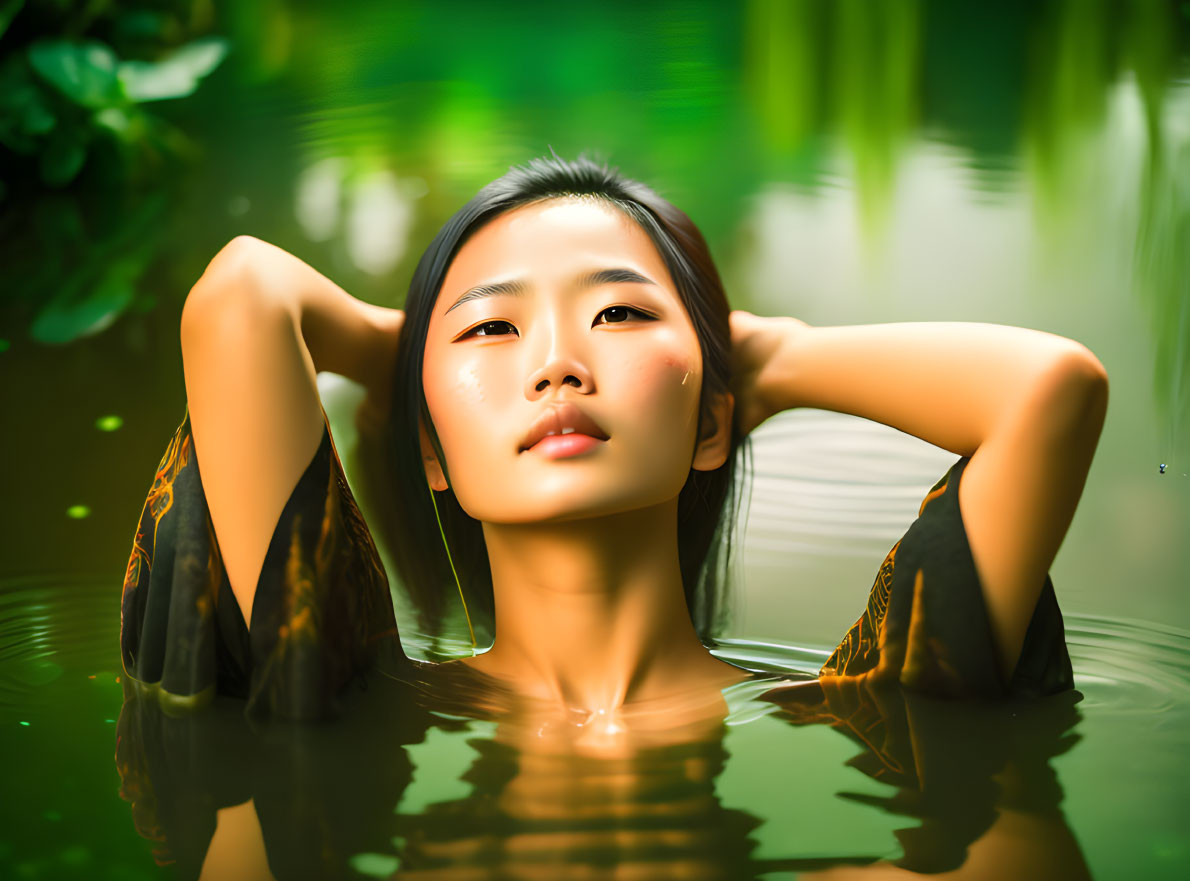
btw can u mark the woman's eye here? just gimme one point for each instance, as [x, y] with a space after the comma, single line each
[485, 329]
[620, 314]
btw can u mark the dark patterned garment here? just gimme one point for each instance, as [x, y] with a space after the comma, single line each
[322, 613]
[926, 625]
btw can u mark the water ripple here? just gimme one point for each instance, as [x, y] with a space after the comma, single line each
[827, 483]
[1122, 666]
[1129, 666]
[51, 624]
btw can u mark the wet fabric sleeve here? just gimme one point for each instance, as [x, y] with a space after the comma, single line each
[321, 616]
[926, 625]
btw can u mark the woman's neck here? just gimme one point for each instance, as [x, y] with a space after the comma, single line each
[591, 612]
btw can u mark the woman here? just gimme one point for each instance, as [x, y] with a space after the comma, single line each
[566, 300]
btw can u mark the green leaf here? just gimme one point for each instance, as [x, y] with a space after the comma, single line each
[65, 319]
[24, 111]
[35, 117]
[62, 157]
[24, 118]
[114, 119]
[84, 72]
[175, 76]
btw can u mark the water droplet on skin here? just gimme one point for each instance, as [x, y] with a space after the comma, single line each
[470, 384]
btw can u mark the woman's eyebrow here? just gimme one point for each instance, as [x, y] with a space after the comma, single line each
[594, 278]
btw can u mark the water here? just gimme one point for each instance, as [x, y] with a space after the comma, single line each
[1027, 165]
[408, 783]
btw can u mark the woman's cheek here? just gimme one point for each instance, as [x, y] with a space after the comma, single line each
[452, 391]
[460, 381]
[667, 378]
[460, 387]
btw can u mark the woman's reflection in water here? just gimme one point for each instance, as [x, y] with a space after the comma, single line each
[560, 798]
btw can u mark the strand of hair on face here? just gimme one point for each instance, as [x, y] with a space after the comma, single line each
[442, 532]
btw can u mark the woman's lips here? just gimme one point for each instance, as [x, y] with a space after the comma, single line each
[564, 417]
[559, 446]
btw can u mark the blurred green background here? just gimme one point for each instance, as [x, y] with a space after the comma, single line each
[850, 162]
[1022, 163]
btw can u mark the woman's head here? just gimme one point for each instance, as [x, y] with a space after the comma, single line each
[564, 300]
[560, 282]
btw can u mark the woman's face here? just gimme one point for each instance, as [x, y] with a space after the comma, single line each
[621, 347]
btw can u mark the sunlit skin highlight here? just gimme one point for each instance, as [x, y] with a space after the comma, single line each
[589, 606]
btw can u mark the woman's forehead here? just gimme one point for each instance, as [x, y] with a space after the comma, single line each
[549, 242]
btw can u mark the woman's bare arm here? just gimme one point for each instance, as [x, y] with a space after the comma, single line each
[1025, 405]
[256, 329]
[237, 851]
[1018, 845]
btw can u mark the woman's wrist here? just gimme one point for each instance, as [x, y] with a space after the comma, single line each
[764, 351]
[779, 381]
[377, 356]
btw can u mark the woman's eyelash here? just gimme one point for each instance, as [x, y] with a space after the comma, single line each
[475, 330]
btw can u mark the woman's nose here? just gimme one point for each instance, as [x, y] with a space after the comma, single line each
[558, 372]
[561, 362]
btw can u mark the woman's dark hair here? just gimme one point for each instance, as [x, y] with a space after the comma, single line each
[411, 531]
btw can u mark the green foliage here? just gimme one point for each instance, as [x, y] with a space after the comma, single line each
[80, 145]
[59, 96]
[175, 76]
[84, 72]
[85, 275]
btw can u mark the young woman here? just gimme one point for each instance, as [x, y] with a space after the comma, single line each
[563, 403]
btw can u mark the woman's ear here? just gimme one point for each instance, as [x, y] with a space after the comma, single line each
[712, 450]
[429, 459]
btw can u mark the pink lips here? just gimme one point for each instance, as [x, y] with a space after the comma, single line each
[559, 446]
[562, 419]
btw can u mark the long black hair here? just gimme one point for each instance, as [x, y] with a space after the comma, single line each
[435, 564]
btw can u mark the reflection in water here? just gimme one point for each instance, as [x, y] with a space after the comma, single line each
[321, 793]
[546, 796]
[1163, 271]
[864, 60]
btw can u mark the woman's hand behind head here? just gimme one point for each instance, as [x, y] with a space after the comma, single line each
[756, 343]
[387, 324]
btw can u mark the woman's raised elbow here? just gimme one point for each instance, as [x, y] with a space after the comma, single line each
[233, 274]
[236, 260]
[1078, 391]
[1086, 371]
